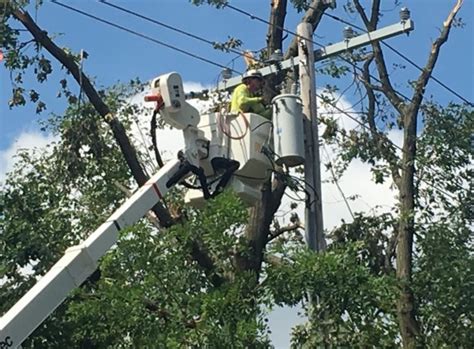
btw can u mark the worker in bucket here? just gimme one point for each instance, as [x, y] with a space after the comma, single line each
[246, 99]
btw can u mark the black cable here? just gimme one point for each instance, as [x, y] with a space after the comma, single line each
[123, 9]
[355, 66]
[297, 199]
[153, 127]
[138, 34]
[162, 24]
[402, 56]
[261, 124]
[393, 144]
[431, 75]
[310, 186]
[262, 20]
[315, 43]
[181, 31]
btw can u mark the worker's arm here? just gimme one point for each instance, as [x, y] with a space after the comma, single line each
[262, 110]
[242, 101]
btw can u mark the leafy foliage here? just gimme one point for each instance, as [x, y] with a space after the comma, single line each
[445, 263]
[216, 3]
[52, 200]
[353, 306]
[150, 291]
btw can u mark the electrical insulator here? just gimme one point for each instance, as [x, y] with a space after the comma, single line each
[330, 3]
[348, 33]
[226, 73]
[276, 56]
[404, 14]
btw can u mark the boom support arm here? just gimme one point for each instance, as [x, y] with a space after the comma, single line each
[79, 262]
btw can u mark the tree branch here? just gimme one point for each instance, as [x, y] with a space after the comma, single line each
[381, 139]
[370, 95]
[371, 25]
[374, 18]
[275, 28]
[313, 15]
[292, 227]
[204, 260]
[118, 130]
[433, 57]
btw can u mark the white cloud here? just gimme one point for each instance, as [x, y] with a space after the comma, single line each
[28, 140]
[192, 86]
[356, 181]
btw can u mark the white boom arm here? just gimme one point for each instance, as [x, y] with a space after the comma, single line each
[79, 262]
[207, 154]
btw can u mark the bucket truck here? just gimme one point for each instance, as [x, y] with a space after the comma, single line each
[220, 151]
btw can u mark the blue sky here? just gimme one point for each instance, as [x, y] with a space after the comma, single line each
[118, 56]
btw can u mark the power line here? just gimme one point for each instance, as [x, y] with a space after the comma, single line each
[336, 182]
[398, 53]
[251, 16]
[262, 20]
[181, 31]
[136, 14]
[142, 35]
[393, 144]
[196, 56]
[355, 66]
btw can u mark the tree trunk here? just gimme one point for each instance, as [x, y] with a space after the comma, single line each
[274, 42]
[313, 15]
[275, 29]
[409, 327]
[258, 228]
[406, 306]
[261, 216]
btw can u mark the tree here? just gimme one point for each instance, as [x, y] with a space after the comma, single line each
[402, 170]
[158, 292]
[224, 271]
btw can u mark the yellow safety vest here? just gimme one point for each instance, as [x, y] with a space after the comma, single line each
[244, 101]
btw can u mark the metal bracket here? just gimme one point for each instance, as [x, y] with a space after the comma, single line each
[329, 51]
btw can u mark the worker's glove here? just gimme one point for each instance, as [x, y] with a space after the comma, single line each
[265, 102]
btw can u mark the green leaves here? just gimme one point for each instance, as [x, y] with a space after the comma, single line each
[216, 3]
[354, 307]
[445, 263]
[17, 97]
[231, 43]
[43, 69]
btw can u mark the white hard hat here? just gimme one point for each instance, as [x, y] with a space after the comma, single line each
[252, 73]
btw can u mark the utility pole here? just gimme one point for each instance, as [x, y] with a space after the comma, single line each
[403, 27]
[314, 227]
